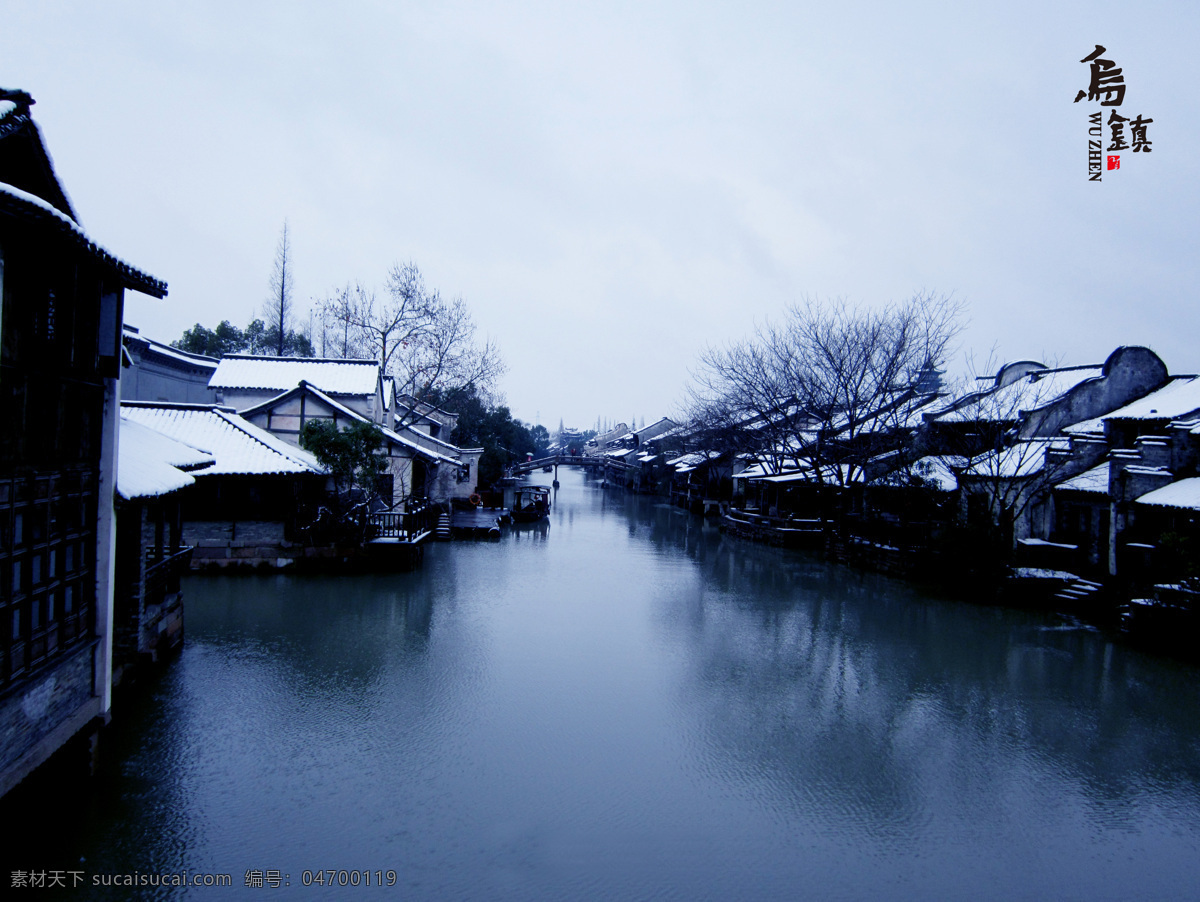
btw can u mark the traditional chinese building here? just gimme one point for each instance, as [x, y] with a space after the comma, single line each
[243, 381]
[412, 470]
[155, 371]
[60, 357]
[280, 394]
[247, 507]
[153, 472]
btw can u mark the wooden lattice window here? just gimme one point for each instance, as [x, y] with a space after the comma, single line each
[47, 581]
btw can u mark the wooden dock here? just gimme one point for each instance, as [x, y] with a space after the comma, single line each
[479, 523]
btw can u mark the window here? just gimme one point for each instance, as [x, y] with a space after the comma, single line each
[385, 485]
[45, 615]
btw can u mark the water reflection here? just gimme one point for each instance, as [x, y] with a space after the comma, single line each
[623, 703]
[870, 707]
[861, 653]
[530, 532]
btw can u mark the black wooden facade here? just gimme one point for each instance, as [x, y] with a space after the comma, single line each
[60, 332]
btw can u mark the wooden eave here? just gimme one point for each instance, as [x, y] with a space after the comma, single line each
[35, 216]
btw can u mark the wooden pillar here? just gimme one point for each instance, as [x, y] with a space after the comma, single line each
[175, 524]
[106, 533]
[159, 517]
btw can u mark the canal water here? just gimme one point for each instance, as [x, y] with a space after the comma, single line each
[624, 704]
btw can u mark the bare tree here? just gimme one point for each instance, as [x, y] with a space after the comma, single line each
[854, 372]
[740, 401]
[444, 360]
[277, 311]
[1006, 466]
[426, 343]
[401, 319]
[815, 390]
[340, 333]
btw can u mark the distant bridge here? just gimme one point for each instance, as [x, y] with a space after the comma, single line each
[573, 460]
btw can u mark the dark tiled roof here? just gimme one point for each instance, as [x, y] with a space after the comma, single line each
[31, 193]
[39, 213]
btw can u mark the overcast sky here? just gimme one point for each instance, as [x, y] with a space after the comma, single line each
[613, 186]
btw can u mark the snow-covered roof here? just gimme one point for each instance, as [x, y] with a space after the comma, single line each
[611, 435]
[1142, 470]
[798, 471]
[332, 375]
[939, 470]
[148, 462]
[401, 439]
[757, 469]
[663, 424]
[659, 422]
[1176, 399]
[765, 468]
[1093, 481]
[169, 450]
[1039, 389]
[23, 203]
[1184, 494]
[1020, 460]
[1027, 393]
[432, 444]
[796, 476]
[905, 416]
[673, 432]
[418, 407]
[15, 118]
[389, 434]
[239, 447]
[829, 474]
[787, 412]
[685, 463]
[198, 360]
[893, 410]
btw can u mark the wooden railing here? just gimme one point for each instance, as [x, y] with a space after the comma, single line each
[162, 574]
[419, 517]
[388, 525]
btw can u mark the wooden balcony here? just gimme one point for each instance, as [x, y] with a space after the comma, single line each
[410, 525]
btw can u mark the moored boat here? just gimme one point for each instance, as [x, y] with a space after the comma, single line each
[530, 503]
